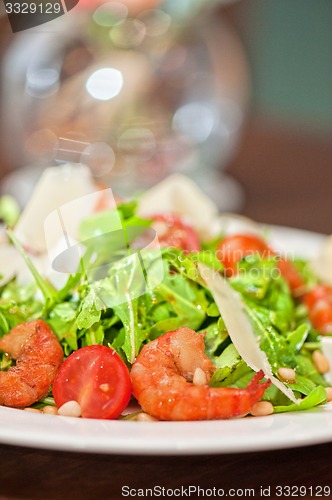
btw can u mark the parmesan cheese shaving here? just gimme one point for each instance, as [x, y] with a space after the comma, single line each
[326, 343]
[56, 187]
[179, 195]
[239, 327]
[322, 263]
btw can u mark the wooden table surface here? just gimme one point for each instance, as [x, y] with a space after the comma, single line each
[287, 179]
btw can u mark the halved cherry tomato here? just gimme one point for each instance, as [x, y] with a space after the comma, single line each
[96, 377]
[319, 304]
[232, 249]
[292, 276]
[173, 232]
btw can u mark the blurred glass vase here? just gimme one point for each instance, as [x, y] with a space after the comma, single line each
[135, 89]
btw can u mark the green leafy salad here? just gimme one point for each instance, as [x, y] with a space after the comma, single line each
[126, 291]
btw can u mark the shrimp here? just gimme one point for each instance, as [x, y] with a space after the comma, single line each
[162, 380]
[38, 355]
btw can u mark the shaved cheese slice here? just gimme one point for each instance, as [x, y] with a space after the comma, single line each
[56, 187]
[239, 327]
[10, 261]
[231, 223]
[13, 265]
[322, 263]
[181, 196]
[326, 343]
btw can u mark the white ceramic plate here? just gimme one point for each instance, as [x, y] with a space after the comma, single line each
[175, 438]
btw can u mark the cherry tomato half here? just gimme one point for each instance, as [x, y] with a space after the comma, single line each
[232, 249]
[96, 377]
[319, 304]
[292, 276]
[173, 232]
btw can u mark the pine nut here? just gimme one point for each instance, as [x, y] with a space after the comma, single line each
[145, 417]
[32, 410]
[328, 391]
[320, 362]
[50, 410]
[287, 375]
[104, 387]
[199, 378]
[262, 408]
[70, 409]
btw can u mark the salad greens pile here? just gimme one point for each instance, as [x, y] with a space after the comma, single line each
[80, 313]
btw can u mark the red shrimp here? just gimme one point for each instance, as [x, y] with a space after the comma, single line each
[38, 355]
[170, 381]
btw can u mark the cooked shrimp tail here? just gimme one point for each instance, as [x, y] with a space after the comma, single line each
[170, 381]
[38, 355]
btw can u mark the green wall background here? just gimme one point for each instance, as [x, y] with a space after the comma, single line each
[289, 46]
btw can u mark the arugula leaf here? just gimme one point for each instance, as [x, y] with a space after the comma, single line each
[119, 292]
[186, 264]
[95, 335]
[303, 385]
[120, 225]
[17, 305]
[90, 308]
[48, 291]
[133, 337]
[62, 320]
[188, 301]
[9, 210]
[231, 368]
[261, 286]
[306, 272]
[306, 368]
[316, 397]
[98, 224]
[215, 339]
[297, 337]
[272, 343]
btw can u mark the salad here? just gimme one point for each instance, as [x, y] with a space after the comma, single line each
[191, 314]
